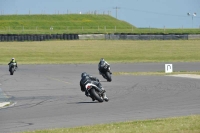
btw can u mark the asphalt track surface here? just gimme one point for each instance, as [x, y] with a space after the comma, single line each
[49, 96]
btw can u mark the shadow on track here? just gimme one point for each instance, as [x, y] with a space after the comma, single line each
[82, 102]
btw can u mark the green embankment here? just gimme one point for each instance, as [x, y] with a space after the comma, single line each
[70, 23]
[77, 23]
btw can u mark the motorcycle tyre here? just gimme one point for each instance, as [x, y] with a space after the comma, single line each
[94, 94]
[12, 71]
[108, 75]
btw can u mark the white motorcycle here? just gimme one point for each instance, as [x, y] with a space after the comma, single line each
[94, 92]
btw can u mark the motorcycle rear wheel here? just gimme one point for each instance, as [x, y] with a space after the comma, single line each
[94, 94]
[12, 71]
[108, 75]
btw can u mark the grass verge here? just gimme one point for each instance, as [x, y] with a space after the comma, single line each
[187, 124]
[90, 51]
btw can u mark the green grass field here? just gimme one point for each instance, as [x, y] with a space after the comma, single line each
[90, 51]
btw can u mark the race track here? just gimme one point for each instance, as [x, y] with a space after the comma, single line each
[49, 96]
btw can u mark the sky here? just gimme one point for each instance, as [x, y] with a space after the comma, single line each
[140, 13]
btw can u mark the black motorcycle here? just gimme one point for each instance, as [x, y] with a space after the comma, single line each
[105, 72]
[12, 68]
[94, 92]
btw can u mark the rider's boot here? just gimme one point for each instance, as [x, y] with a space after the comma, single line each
[105, 97]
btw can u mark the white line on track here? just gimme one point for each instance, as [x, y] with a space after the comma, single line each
[194, 76]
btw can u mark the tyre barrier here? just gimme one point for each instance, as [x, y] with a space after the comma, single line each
[119, 36]
[36, 37]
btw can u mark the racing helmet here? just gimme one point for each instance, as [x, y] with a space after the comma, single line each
[13, 59]
[84, 74]
[102, 59]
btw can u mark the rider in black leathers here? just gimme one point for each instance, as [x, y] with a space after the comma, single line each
[85, 78]
[101, 65]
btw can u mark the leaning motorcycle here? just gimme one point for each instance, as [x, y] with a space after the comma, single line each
[105, 72]
[94, 92]
[12, 68]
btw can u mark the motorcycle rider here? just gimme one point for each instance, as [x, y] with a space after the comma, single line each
[101, 65]
[11, 62]
[85, 78]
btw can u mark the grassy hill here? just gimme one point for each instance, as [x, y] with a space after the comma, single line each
[60, 23]
[76, 23]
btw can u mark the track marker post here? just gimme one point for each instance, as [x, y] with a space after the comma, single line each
[168, 68]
